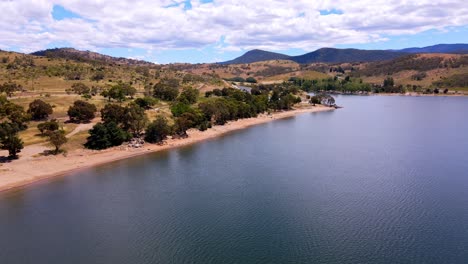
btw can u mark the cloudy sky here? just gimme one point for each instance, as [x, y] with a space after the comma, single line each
[166, 31]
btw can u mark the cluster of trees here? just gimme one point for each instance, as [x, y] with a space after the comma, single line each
[119, 124]
[240, 79]
[13, 119]
[346, 85]
[409, 62]
[322, 98]
[389, 86]
[119, 91]
[83, 90]
[40, 110]
[454, 81]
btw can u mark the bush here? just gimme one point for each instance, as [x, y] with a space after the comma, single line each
[81, 111]
[39, 109]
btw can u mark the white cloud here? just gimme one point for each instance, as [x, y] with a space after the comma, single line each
[243, 24]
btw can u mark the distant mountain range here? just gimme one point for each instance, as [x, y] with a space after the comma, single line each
[86, 56]
[332, 55]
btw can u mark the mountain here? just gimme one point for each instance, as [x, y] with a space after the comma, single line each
[440, 48]
[257, 55]
[86, 56]
[332, 55]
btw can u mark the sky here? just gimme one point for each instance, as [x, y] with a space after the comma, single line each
[197, 31]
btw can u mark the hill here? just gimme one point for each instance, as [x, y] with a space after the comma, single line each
[333, 55]
[257, 55]
[440, 48]
[86, 56]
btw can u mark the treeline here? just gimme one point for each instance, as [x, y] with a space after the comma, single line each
[454, 81]
[346, 85]
[410, 62]
[240, 79]
[121, 123]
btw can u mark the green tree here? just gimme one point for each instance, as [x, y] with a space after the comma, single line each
[157, 130]
[57, 138]
[134, 119]
[113, 113]
[179, 108]
[39, 109]
[119, 92]
[115, 134]
[103, 136]
[81, 112]
[79, 88]
[9, 88]
[146, 102]
[166, 89]
[48, 126]
[189, 95]
[13, 144]
[98, 138]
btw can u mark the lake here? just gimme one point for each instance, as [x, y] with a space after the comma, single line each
[383, 180]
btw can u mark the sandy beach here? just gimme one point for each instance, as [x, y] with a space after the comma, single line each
[31, 167]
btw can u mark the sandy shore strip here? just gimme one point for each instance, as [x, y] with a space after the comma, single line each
[34, 168]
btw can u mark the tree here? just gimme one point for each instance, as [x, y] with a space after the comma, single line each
[98, 138]
[146, 102]
[79, 88]
[120, 91]
[166, 89]
[9, 88]
[182, 124]
[157, 130]
[57, 138]
[39, 109]
[188, 95]
[13, 114]
[13, 144]
[81, 111]
[179, 108]
[106, 135]
[48, 126]
[388, 82]
[115, 134]
[134, 119]
[113, 113]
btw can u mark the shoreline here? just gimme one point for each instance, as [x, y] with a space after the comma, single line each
[26, 171]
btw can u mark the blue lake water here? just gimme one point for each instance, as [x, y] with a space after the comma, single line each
[383, 180]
